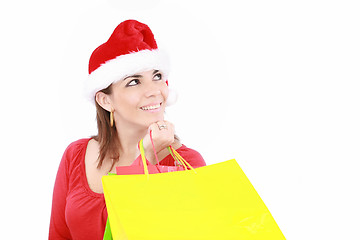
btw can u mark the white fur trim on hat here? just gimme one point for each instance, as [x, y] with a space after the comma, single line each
[122, 66]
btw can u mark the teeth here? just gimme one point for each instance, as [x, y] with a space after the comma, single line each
[151, 107]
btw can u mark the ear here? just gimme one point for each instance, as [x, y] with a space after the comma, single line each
[104, 101]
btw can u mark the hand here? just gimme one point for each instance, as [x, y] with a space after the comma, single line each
[162, 133]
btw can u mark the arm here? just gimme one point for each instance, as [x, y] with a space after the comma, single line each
[58, 228]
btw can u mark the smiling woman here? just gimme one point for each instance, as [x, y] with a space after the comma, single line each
[137, 101]
[128, 84]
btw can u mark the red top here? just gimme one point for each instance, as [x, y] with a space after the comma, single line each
[78, 212]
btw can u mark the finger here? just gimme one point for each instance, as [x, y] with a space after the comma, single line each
[153, 127]
[162, 125]
[170, 126]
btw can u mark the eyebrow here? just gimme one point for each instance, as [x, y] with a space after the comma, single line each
[139, 76]
[133, 76]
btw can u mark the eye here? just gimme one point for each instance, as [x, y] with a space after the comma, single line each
[157, 77]
[133, 82]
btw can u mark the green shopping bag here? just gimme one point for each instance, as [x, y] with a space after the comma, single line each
[107, 233]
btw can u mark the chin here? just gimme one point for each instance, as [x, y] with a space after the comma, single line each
[151, 116]
[154, 119]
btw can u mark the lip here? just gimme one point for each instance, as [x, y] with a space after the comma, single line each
[152, 107]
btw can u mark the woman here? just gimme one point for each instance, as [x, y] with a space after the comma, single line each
[128, 84]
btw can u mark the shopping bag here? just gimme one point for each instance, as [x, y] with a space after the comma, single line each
[107, 232]
[138, 168]
[212, 202]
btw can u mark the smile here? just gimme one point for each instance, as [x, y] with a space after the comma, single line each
[151, 107]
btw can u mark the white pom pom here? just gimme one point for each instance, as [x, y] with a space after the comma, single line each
[172, 98]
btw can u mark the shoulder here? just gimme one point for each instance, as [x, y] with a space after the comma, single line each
[76, 146]
[74, 152]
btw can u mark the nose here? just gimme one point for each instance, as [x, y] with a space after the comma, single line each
[152, 90]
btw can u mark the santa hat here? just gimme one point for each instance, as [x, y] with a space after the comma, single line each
[130, 49]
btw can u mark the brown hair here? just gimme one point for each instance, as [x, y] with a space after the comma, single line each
[107, 136]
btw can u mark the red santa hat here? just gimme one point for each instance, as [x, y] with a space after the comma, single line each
[130, 49]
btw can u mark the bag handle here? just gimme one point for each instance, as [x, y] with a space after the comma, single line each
[169, 149]
[157, 160]
[173, 152]
[178, 157]
[142, 153]
[153, 146]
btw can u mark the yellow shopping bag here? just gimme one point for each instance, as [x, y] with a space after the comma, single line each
[211, 202]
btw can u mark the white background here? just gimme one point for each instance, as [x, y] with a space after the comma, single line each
[274, 84]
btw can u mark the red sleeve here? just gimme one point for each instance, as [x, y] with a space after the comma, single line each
[58, 228]
[193, 157]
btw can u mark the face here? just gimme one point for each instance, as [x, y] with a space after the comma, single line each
[139, 100]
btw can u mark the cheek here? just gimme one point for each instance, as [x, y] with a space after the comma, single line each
[165, 93]
[126, 102]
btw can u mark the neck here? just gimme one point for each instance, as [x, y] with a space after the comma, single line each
[129, 138]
